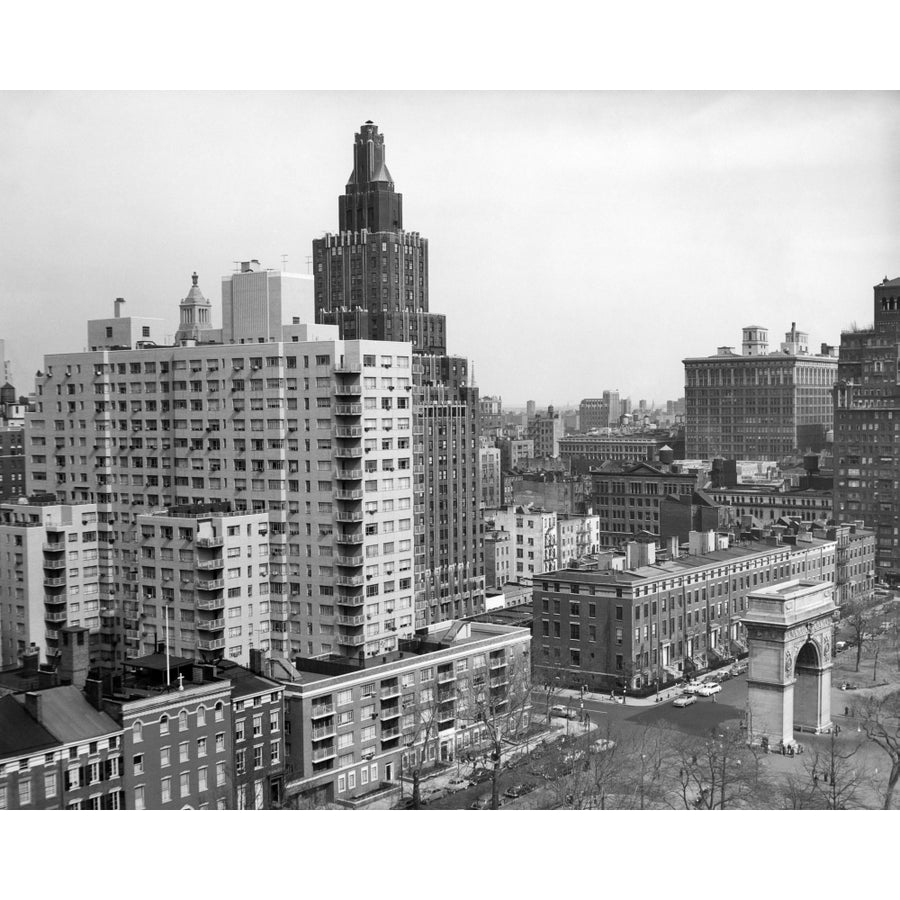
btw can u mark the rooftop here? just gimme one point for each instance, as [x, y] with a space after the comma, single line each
[66, 713]
[19, 732]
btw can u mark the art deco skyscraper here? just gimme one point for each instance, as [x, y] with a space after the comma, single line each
[371, 279]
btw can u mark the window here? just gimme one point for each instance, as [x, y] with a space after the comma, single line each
[185, 784]
[273, 721]
[137, 732]
[201, 716]
[164, 756]
[201, 778]
[183, 752]
[166, 786]
[220, 774]
[201, 747]
[50, 784]
[138, 763]
[164, 725]
[257, 757]
[274, 753]
[257, 726]
[182, 720]
[220, 742]
[239, 731]
[139, 797]
[220, 711]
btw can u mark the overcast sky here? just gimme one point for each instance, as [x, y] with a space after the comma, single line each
[578, 241]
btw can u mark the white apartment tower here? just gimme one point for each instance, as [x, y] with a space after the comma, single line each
[308, 431]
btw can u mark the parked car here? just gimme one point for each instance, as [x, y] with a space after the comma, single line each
[429, 795]
[739, 668]
[459, 784]
[692, 687]
[518, 790]
[708, 689]
[840, 646]
[684, 700]
[563, 712]
[483, 802]
[723, 675]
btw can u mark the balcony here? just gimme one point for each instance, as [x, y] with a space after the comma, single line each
[499, 681]
[446, 715]
[447, 676]
[53, 547]
[55, 599]
[318, 710]
[347, 390]
[349, 452]
[55, 617]
[215, 603]
[323, 753]
[210, 564]
[217, 644]
[391, 712]
[349, 560]
[342, 516]
[132, 634]
[348, 409]
[210, 542]
[388, 734]
[354, 600]
[214, 584]
[345, 537]
[392, 690]
[446, 695]
[54, 564]
[348, 431]
[349, 580]
[349, 495]
[320, 732]
[351, 640]
[498, 662]
[353, 621]
[211, 624]
[54, 582]
[349, 474]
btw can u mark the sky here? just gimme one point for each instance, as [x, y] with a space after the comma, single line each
[578, 241]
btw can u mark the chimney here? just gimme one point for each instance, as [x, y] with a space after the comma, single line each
[118, 306]
[30, 660]
[93, 691]
[75, 655]
[257, 661]
[33, 705]
[47, 678]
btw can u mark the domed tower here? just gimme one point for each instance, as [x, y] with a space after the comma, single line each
[195, 315]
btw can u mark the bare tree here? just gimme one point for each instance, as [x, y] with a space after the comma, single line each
[880, 719]
[858, 620]
[651, 757]
[496, 699]
[719, 771]
[420, 741]
[836, 776]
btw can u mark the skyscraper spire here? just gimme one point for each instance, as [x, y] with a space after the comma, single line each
[370, 201]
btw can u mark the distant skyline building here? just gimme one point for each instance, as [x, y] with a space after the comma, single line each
[759, 404]
[867, 428]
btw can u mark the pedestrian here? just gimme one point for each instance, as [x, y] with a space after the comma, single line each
[783, 750]
[825, 777]
[815, 778]
[714, 698]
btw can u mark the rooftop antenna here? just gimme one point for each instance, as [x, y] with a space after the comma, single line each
[284, 257]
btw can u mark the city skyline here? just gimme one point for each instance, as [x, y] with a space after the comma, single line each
[754, 190]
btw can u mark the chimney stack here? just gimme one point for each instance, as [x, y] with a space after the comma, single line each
[75, 656]
[257, 661]
[34, 706]
[93, 690]
[118, 306]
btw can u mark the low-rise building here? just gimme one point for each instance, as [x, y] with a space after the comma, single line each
[665, 615]
[534, 542]
[357, 730]
[583, 451]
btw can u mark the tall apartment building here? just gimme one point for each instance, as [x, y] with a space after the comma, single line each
[514, 453]
[867, 429]
[371, 279]
[657, 619]
[592, 414]
[491, 416]
[759, 404]
[55, 570]
[313, 431]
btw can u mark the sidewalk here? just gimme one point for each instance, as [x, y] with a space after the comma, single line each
[603, 697]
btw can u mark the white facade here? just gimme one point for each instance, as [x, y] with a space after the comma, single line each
[577, 536]
[533, 540]
[315, 434]
[53, 571]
